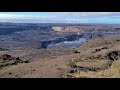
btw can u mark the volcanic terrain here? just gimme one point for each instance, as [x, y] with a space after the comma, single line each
[59, 50]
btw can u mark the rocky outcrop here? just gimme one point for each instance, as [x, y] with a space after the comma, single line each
[7, 60]
[68, 28]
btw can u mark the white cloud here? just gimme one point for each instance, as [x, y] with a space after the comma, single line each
[59, 17]
[14, 16]
[89, 14]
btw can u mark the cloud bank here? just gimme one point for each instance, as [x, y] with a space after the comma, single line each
[63, 17]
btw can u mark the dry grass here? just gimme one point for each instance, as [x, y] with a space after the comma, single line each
[96, 53]
[112, 72]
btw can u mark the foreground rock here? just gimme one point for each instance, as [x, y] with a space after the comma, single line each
[8, 60]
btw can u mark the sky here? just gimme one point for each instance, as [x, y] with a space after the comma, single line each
[61, 17]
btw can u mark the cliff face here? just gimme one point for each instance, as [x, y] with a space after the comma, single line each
[82, 28]
[81, 34]
[68, 28]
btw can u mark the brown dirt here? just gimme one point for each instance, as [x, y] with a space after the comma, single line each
[53, 68]
[56, 65]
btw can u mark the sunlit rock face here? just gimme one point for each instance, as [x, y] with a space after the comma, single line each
[68, 28]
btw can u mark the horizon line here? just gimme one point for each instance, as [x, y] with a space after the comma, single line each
[56, 23]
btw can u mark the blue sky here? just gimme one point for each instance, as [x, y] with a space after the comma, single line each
[61, 17]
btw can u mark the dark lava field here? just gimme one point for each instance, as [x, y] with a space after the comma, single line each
[27, 35]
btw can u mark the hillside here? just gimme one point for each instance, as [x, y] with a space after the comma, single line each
[97, 58]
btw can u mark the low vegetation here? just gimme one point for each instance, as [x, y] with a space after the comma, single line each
[112, 72]
[101, 61]
[75, 51]
[114, 55]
